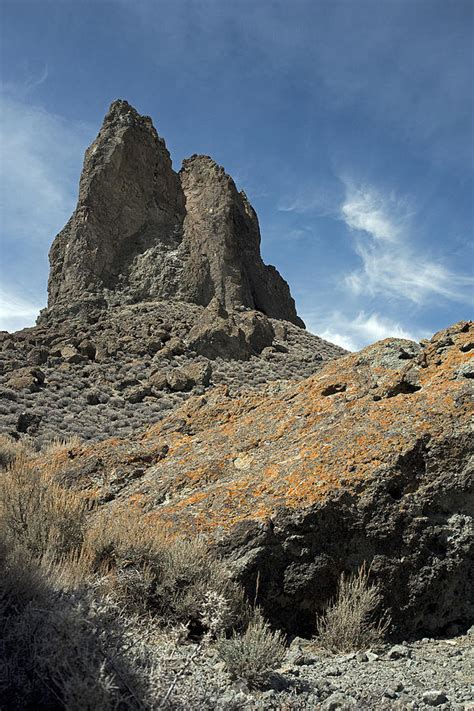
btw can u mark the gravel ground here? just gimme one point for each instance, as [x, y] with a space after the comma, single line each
[418, 675]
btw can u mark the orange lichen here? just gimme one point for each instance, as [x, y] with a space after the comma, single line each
[251, 455]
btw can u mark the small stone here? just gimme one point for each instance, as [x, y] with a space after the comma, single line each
[338, 701]
[372, 656]
[348, 657]
[434, 698]
[390, 693]
[399, 652]
[362, 657]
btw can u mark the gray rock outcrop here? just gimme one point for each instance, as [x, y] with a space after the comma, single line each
[142, 232]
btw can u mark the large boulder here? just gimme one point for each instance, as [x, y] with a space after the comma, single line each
[26, 379]
[230, 335]
[368, 461]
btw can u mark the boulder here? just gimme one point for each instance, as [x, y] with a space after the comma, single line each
[173, 347]
[70, 354]
[158, 380]
[230, 335]
[28, 422]
[26, 379]
[37, 356]
[217, 334]
[189, 376]
[87, 349]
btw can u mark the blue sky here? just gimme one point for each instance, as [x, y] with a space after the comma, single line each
[349, 124]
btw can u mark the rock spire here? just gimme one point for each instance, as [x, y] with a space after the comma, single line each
[142, 232]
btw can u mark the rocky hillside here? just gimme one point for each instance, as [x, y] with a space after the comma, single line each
[157, 290]
[199, 399]
[370, 459]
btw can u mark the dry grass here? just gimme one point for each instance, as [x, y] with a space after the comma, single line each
[94, 607]
[150, 572]
[352, 620]
[11, 449]
[39, 515]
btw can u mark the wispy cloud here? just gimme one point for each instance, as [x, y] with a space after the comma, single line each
[391, 265]
[26, 83]
[41, 156]
[15, 311]
[356, 332]
[318, 200]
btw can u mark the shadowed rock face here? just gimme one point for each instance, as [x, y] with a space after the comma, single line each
[140, 231]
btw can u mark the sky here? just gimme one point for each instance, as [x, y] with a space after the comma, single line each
[348, 123]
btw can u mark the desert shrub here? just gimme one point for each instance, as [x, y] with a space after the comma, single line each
[59, 445]
[37, 514]
[351, 620]
[151, 573]
[10, 449]
[251, 656]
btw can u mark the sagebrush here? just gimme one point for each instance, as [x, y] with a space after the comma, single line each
[251, 656]
[96, 610]
[353, 620]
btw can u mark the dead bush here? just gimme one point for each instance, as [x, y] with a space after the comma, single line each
[352, 620]
[37, 514]
[152, 573]
[251, 656]
[10, 449]
[80, 650]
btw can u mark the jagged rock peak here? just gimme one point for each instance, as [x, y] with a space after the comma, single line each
[143, 232]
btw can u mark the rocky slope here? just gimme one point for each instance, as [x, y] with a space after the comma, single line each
[370, 459]
[157, 289]
[121, 368]
[178, 358]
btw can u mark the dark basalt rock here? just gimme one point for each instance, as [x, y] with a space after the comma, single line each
[142, 232]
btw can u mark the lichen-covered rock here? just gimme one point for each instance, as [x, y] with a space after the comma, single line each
[299, 482]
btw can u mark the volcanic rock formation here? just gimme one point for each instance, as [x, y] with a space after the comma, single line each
[142, 232]
[156, 278]
[369, 460]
